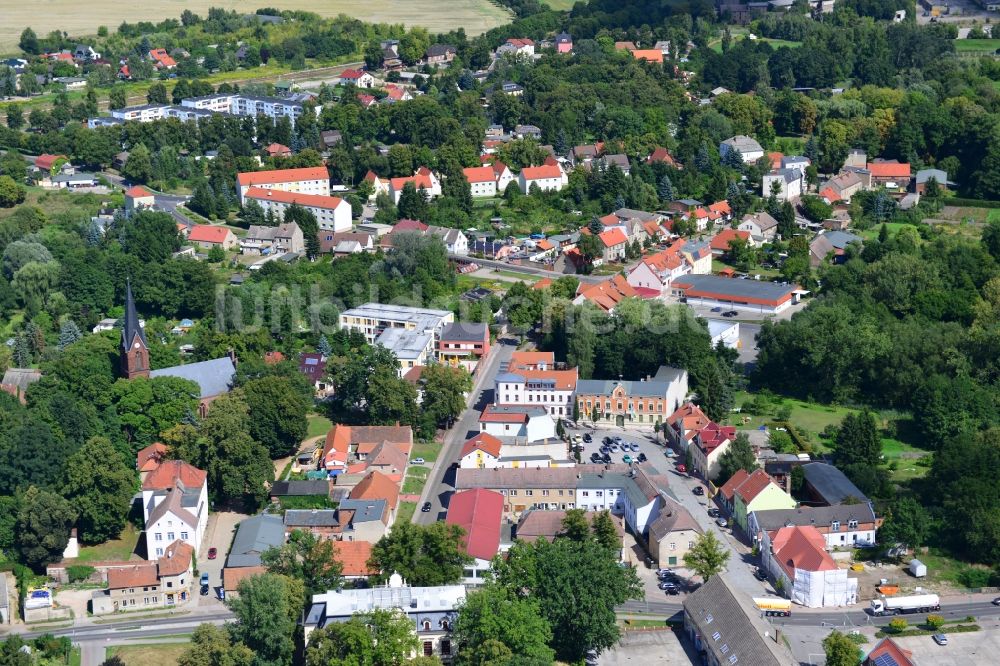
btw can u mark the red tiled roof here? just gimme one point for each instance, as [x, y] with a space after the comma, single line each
[721, 240]
[478, 512]
[422, 179]
[775, 158]
[606, 295]
[801, 547]
[282, 176]
[354, 555]
[541, 172]
[527, 360]
[308, 200]
[520, 41]
[278, 149]
[830, 195]
[483, 174]
[889, 169]
[139, 575]
[137, 191]
[409, 225]
[720, 207]
[649, 55]
[494, 414]
[162, 58]
[377, 486]
[176, 560]
[166, 475]
[46, 161]
[483, 441]
[888, 646]
[499, 167]
[150, 457]
[354, 74]
[613, 237]
[232, 576]
[208, 233]
[729, 487]
[753, 485]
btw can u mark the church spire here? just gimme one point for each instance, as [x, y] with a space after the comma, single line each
[134, 348]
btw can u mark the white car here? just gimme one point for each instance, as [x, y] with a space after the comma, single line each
[417, 461]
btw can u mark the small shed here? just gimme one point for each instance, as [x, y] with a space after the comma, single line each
[917, 568]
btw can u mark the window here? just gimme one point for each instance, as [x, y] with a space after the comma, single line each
[170, 536]
[586, 493]
[159, 551]
[716, 636]
[673, 546]
[513, 493]
[835, 526]
[545, 493]
[446, 648]
[445, 625]
[690, 544]
[725, 648]
[599, 493]
[427, 625]
[184, 535]
[852, 524]
[428, 648]
[733, 659]
[529, 493]
[159, 536]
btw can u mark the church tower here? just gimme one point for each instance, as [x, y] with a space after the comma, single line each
[134, 350]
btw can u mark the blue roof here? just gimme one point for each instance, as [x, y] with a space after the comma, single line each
[213, 377]
[364, 510]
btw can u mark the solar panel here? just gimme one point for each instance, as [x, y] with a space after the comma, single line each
[885, 659]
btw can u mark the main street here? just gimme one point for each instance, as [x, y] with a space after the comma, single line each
[441, 481]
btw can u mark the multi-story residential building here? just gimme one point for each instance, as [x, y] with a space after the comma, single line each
[530, 424]
[431, 609]
[842, 525]
[174, 506]
[672, 534]
[331, 213]
[796, 556]
[482, 181]
[548, 178]
[479, 513]
[708, 447]
[424, 179]
[307, 180]
[551, 488]
[531, 380]
[163, 584]
[372, 319]
[642, 402]
[784, 184]
[412, 349]
[462, 344]
[745, 493]
[486, 451]
[749, 149]
[198, 108]
[280, 239]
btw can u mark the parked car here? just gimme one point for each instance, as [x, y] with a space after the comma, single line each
[667, 586]
[721, 522]
[595, 457]
[713, 512]
[682, 468]
[634, 447]
[940, 639]
[587, 438]
[417, 461]
[730, 313]
[627, 460]
[642, 457]
[759, 574]
[204, 590]
[672, 590]
[212, 553]
[204, 579]
[716, 309]
[664, 572]
[606, 441]
[699, 491]
[426, 508]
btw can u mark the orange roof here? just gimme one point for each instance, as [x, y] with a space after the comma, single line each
[307, 200]
[162, 57]
[139, 575]
[337, 445]
[565, 380]
[278, 149]
[519, 41]
[541, 172]
[606, 295]
[137, 191]
[352, 74]
[208, 233]
[801, 547]
[484, 442]
[721, 240]
[887, 646]
[661, 155]
[544, 283]
[420, 180]
[613, 237]
[45, 161]
[177, 559]
[666, 259]
[479, 513]
[231, 577]
[499, 167]
[649, 55]
[775, 159]
[272, 357]
[149, 458]
[483, 174]
[720, 207]
[354, 555]
[889, 169]
[700, 213]
[282, 176]
[544, 245]
[754, 485]
[169, 472]
[526, 360]
[729, 487]
[377, 486]
[652, 227]
[830, 194]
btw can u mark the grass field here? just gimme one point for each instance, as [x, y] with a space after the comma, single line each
[560, 5]
[416, 479]
[43, 16]
[318, 425]
[163, 654]
[429, 451]
[117, 549]
[893, 227]
[405, 511]
[977, 45]
[54, 202]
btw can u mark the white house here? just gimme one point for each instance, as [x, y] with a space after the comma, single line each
[844, 526]
[482, 181]
[748, 147]
[797, 162]
[797, 557]
[517, 46]
[637, 495]
[785, 183]
[331, 213]
[424, 179]
[530, 379]
[762, 227]
[454, 240]
[503, 175]
[548, 178]
[357, 78]
[174, 506]
[527, 423]
[657, 271]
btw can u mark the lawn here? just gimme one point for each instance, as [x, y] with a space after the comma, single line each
[75, 656]
[116, 549]
[153, 654]
[55, 202]
[718, 264]
[560, 5]
[405, 512]
[944, 569]
[977, 45]
[429, 451]
[809, 417]
[416, 479]
[318, 426]
[476, 16]
[893, 227]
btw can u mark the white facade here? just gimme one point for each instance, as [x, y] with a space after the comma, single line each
[789, 184]
[748, 147]
[485, 188]
[554, 394]
[371, 319]
[163, 527]
[817, 589]
[504, 178]
[534, 428]
[316, 184]
[333, 215]
[547, 184]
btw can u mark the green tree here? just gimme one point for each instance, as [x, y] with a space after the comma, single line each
[310, 228]
[492, 614]
[117, 98]
[29, 42]
[145, 407]
[907, 522]
[11, 192]
[139, 165]
[157, 94]
[100, 484]
[444, 393]
[308, 558]
[858, 440]
[738, 456]
[213, 646]
[383, 637]
[69, 333]
[841, 650]
[707, 557]
[390, 399]
[575, 526]
[15, 116]
[424, 555]
[43, 526]
[412, 203]
[605, 531]
[266, 611]
[279, 414]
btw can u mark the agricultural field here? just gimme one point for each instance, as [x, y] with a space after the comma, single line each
[476, 16]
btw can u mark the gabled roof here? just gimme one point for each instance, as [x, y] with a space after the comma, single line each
[253, 536]
[650, 55]
[169, 472]
[728, 489]
[754, 485]
[889, 169]
[208, 233]
[607, 294]
[801, 548]
[483, 174]
[354, 556]
[250, 178]
[661, 155]
[673, 518]
[281, 196]
[176, 559]
[377, 485]
[538, 524]
[45, 161]
[213, 377]
[479, 513]
[830, 483]
[173, 503]
[149, 458]
[721, 240]
[139, 575]
[817, 516]
[613, 237]
[484, 442]
[541, 172]
[887, 653]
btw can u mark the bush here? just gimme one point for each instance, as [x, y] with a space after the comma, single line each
[898, 625]
[974, 578]
[934, 622]
[79, 572]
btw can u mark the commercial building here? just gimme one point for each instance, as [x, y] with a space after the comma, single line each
[331, 213]
[531, 379]
[641, 402]
[372, 319]
[753, 295]
[552, 488]
[431, 609]
[307, 180]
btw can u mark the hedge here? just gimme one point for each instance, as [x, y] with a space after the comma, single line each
[972, 203]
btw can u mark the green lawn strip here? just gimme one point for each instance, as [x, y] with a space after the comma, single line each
[405, 511]
[942, 568]
[957, 629]
[977, 45]
[116, 549]
[76, 656]
[318, 426]
[892, 227]
[429, 451]
[288, 502]
[149, 654]
[416, 479]
[125, 617]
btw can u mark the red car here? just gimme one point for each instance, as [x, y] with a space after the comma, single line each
[682, 468]
[212, 552]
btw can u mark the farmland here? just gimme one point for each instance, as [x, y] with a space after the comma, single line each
[475, 16]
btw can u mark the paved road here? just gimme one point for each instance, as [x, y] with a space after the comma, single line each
[441, 481]
[527, 270]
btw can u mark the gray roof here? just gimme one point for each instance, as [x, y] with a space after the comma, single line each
[22, 378]
[744, 144]
[730, 626]
[925, 175]
[213, 377]
[802, 516]
[311, 518]
[841, 239]
[405, 344]
[764, 220]
[673, 518]
[641, 388]
[365, 510]
[440, 50]
[729, 287]
[253, 537]
[788, 175]
[4, 598]
[465, 331]
[542, 477]
[299, 487]
[131, 327]
[830, 483]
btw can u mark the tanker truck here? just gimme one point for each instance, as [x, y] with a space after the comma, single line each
[919, 603]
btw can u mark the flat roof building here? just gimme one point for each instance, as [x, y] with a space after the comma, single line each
[372, 319]
[754, 295]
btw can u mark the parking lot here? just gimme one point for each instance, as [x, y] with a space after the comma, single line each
[650, 647]
[642, 437]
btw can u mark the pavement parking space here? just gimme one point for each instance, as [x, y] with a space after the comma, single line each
[978, 648]
[219, 535]
[650, 647]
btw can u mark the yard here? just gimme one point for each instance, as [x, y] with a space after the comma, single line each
[318, 426]
[718, 264]
[116, 549]
[153, 654]
[429, 451]
[405, 511]
[416, 479]
[891, 227]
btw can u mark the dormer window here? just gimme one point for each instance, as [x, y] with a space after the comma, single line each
[835, 526]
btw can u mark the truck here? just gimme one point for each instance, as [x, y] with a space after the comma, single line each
[773, 606]
[918, 603]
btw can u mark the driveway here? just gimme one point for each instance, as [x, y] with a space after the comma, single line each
[218, 535]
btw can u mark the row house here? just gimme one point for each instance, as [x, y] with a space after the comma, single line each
[745, 493]
[641, 402]
[165, 583]
[524, 489]
[843, 526]
[489, 180]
